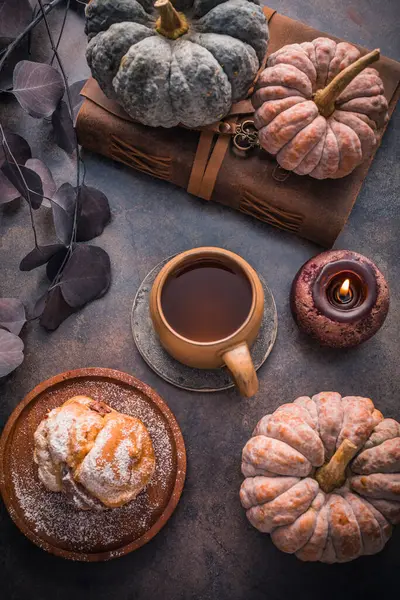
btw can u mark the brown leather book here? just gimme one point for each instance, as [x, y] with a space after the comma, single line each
[208, 164]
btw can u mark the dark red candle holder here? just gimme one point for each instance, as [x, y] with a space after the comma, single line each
[334, 316]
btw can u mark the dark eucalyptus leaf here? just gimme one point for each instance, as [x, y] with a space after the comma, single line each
[48, 184]
[12, 315]
[55, 263]
[86, 276]
[15, 15]
[64, 132]
[94, 213]
[76, 98]
[39, 306]
[63, 206]
[56, 310]
[8, 192]
[14, 145]
[38, 87]
[11, 352]
[39, 256]
[20, 177]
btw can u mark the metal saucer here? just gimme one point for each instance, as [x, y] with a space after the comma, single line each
[182, 376]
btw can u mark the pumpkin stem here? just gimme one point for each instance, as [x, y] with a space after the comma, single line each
[171, 23]
[325, 98]
[332, 474]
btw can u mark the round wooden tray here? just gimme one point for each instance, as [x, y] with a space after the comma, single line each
[47, 518]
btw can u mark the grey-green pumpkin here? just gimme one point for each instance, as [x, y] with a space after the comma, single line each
[167, 67]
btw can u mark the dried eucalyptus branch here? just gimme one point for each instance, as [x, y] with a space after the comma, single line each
[28, 191]
[61, 29]
[49, 7]
[78, 273]
[74, 227]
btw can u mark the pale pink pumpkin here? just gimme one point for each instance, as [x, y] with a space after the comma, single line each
[320, 108]
[323, 477]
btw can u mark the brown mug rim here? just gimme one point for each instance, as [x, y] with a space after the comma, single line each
[207, 251]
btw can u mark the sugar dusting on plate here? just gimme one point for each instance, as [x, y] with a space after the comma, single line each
[50, 515]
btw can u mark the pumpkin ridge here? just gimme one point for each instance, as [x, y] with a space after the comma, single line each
[325, 50]
[309, 405]
[215, 92]
[286, 428]
[345, 55]
[345, 543]
[350, 155]
[281, 129]
[375, 517]
[389, 509]
[286, 76]
[311, 551]
[303, 159]
[106, 50]
[285, 537]
[364, 132]
[256, 496]
[282, 57]
[240, 67]
[330, 413]
[328, 546]
[329, 162]
[289, 156]
[101, 14]
[304, 168]
[239, 19]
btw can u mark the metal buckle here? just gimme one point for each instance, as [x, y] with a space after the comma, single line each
[246, 136]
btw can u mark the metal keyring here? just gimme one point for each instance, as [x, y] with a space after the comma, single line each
[246, 136]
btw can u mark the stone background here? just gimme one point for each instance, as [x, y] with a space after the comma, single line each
[207, 550]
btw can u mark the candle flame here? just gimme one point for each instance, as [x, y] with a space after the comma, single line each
[344, 290]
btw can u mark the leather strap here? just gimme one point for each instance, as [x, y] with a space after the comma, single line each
[268, 12]
[213, 166]
[200, 161]
[206, 167]
[244, 107]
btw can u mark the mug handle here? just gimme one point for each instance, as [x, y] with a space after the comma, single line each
[240, 364]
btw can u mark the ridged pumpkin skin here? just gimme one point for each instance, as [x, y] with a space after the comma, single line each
[191, 80]
[290, 123]
[283, 492]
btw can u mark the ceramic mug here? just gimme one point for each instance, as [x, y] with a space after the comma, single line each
[232, 351]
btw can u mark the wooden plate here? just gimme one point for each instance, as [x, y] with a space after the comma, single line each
[47, 518]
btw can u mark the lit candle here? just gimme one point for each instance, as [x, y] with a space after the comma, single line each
[340, 298]
[344, 294]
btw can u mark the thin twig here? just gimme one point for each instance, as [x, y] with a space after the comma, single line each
[32, 24]
[84, 169]
[56, 280]
[61, 29]
[74, 227]
[28, 199]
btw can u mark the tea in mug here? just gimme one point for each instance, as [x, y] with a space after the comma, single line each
[207, 300]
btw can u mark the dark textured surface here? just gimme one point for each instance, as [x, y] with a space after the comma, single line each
[207, 550]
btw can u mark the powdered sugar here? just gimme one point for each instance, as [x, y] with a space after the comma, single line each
[50, 515]
[121, 461]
